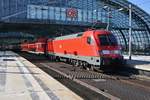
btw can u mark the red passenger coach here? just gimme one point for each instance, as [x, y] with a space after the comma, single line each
[28, 46]
[96, 48]
[41, 45]
[37, 47]
[31, 47]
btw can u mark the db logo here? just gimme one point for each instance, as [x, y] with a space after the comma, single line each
[72, 12]
[60, 46]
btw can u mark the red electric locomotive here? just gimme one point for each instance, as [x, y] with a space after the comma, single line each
[94, 48]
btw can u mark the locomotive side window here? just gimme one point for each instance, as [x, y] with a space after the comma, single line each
[89, 40]
[106, 40]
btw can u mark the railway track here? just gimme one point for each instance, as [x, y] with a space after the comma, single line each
[84, 74]
[73, 77]
[79, 77]
[109, 85]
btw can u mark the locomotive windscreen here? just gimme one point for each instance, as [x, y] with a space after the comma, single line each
[108, 40]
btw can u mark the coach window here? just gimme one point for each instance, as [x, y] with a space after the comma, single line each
[42, 45]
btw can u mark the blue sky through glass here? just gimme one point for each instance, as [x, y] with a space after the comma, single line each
[144, 4]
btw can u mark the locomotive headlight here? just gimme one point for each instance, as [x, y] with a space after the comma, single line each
[110, 52]
[116, 51]
[105, 52]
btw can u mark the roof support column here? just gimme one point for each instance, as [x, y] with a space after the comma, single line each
[130, 31]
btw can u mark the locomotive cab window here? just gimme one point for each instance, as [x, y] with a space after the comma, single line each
[108, 40]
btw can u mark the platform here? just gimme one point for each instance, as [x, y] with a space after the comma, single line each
[21, 80]
[139, 62]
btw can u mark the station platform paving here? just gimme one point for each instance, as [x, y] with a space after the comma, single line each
[138, 62]
[21, 80]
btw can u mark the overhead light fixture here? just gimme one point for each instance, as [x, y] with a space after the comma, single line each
[120, 9]
[105, 7]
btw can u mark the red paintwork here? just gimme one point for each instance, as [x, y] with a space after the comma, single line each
[28, 47]
[38, 46]
[41, 45]
[24, 46]
[50, 48]
[31, 46]
[75, 46]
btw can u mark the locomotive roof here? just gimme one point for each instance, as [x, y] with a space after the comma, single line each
[69, 36]
[78, 35]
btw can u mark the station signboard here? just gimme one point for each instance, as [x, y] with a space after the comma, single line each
[63, 14]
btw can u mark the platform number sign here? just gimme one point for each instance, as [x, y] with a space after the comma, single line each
[72, 12]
